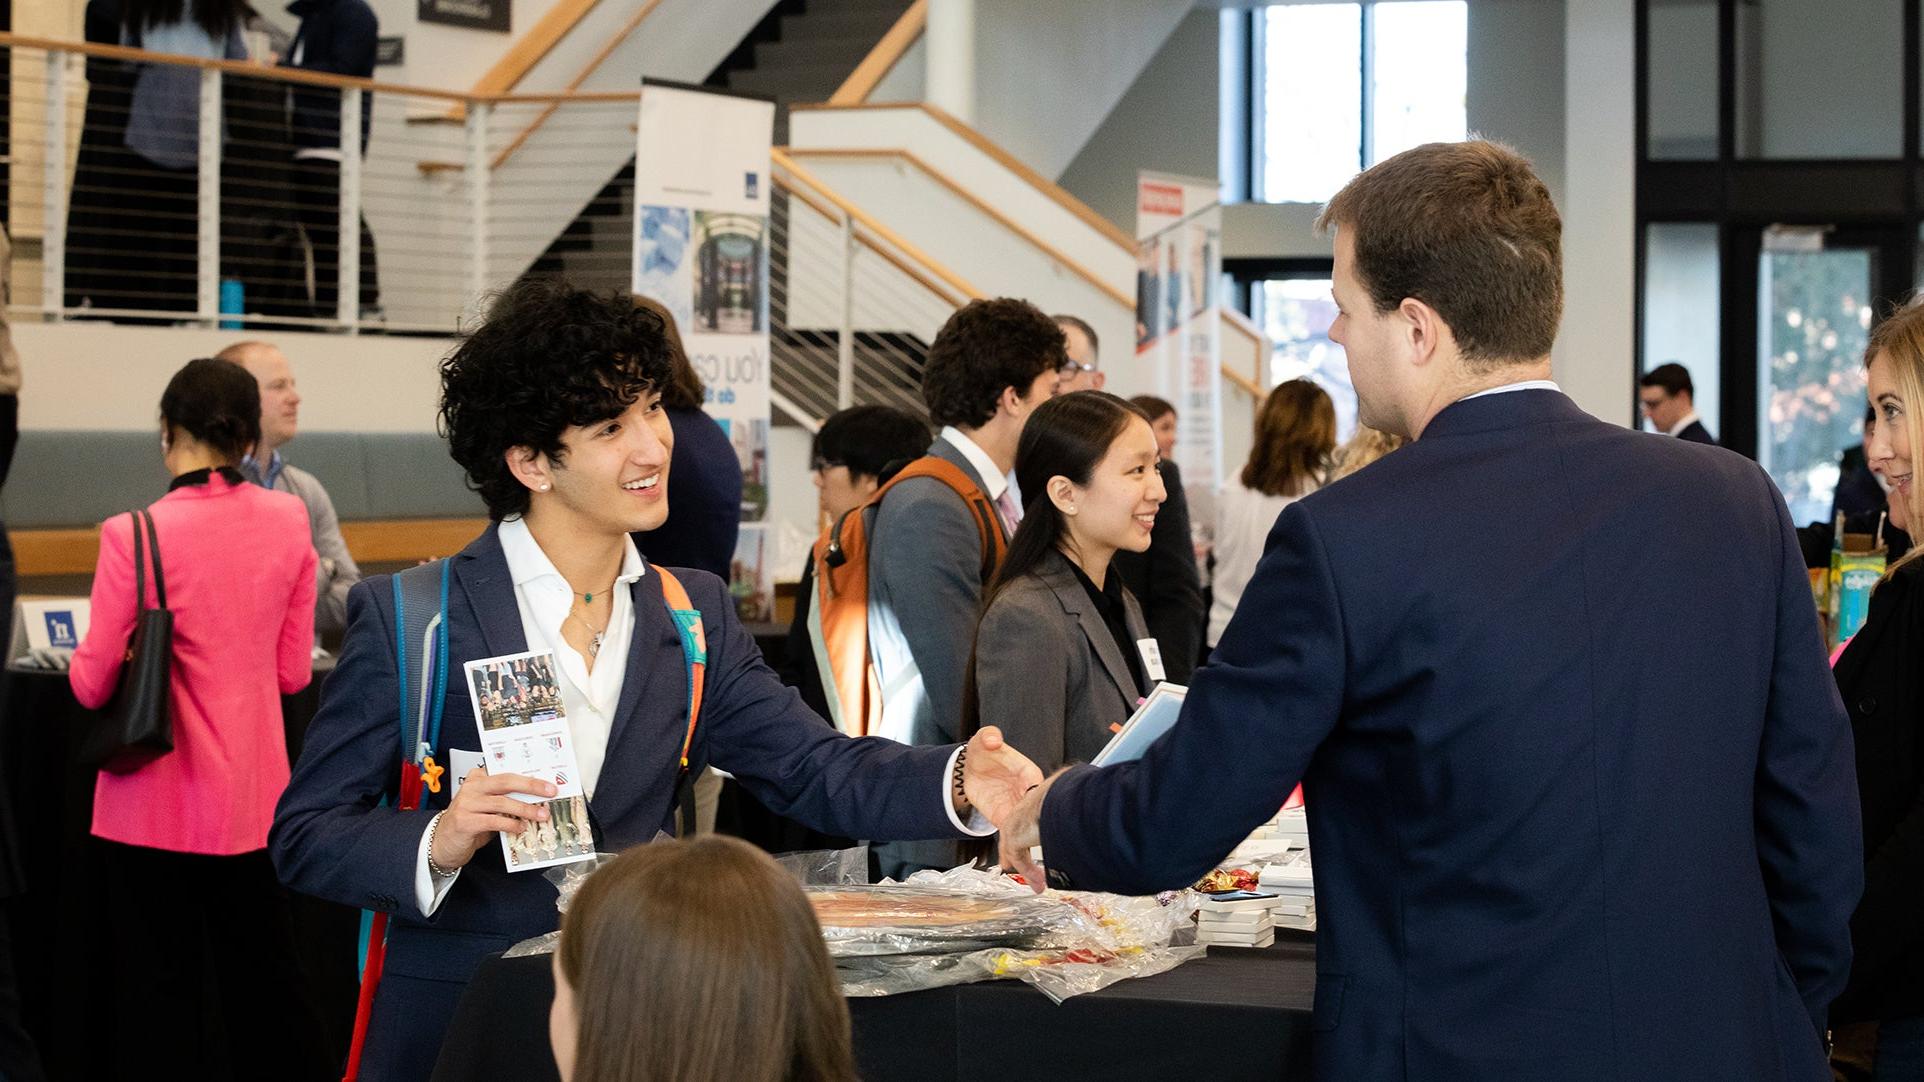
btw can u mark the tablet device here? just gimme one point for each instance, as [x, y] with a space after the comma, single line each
[1156, 716]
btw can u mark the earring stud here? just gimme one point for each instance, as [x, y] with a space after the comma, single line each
[544, 486]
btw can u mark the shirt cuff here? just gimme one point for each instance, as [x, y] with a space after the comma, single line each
[978, 825]
[430, 889]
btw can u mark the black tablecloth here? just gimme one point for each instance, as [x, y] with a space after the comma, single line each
[55, 924]
[1240, 1014]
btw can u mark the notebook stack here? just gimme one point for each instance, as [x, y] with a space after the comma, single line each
[1289, 879]
[1236, 920]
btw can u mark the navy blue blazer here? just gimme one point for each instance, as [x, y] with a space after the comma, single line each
[1581, 792]
[1695, 432]
[333, 838]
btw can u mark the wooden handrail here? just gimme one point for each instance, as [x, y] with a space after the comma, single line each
[1249, 386]
[863, 239]
[306, 78]
[75, 551]
[882, 59]
[955, 281]
[601, 57]
[534, 46]
[1008, 161]
[981, 205]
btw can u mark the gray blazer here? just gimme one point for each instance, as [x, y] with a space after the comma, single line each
[1048, 672]
[925, 590]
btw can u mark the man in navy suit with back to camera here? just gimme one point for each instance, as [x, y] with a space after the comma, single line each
[1556, 836]
[553, 407]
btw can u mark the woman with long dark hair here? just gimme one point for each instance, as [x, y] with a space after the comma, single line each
[655, 980]
[1288, 459]
[1062, 653]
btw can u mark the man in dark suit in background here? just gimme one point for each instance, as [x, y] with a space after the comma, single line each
[1163, 579]
[1555, 837]
[1669, 401]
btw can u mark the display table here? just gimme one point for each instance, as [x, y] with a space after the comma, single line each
[56, 922]
[1236, 1013]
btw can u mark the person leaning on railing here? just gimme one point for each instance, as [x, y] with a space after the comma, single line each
[190, 897]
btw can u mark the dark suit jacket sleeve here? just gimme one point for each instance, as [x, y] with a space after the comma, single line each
[1254, 716]
[1173, 604]
[927, 551]
[1809, 842]
[1021, 662]
[798, 764]
[332, 837]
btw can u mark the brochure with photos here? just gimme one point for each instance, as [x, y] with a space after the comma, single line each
[524, 730]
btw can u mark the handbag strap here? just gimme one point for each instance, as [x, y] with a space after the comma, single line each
[140, 562]
[153, 547]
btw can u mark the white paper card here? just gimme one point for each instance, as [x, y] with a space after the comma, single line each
[459, 764]
[524, 730]
[1151, 652]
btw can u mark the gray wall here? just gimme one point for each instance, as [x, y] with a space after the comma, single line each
[1168, 121]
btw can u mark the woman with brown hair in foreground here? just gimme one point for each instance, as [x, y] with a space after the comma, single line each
[696, 961]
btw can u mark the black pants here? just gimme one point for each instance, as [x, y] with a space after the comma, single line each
[317, 186]
[204, 980]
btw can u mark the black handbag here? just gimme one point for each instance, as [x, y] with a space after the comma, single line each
[137, 726]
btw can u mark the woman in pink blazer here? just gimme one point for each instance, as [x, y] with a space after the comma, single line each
[183, 838]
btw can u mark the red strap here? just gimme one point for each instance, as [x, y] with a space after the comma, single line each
[376, 961]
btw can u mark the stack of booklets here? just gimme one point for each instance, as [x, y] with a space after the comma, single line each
[1289, 879]
[1238, 919]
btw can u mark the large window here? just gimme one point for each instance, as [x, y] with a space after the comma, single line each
[1340, 87]
[1296, 314]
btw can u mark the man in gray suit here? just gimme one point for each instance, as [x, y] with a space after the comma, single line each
[991, 365]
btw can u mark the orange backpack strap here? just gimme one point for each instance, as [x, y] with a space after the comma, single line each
[839, 622]
[694, 649]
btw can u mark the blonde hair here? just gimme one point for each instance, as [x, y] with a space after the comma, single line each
[701, 961]
[1901, 338]
[1363, 448]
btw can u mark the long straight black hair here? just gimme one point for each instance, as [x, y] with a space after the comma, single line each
[1066, 437]
[217, 17]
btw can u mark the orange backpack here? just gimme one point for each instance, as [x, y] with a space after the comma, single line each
[838, 619]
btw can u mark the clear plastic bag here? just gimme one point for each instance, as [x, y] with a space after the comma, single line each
[827, 867]
[567, 878]
[1090, 941]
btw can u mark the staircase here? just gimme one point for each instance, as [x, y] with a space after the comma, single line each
[800, 52]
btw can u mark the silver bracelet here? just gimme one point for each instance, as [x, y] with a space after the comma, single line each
[434, 869]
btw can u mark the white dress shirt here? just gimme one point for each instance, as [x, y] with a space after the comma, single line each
[1526, 385]
[590, 699]
[994, 481]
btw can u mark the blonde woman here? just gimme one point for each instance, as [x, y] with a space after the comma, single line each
[1289, 459]
[1363, 448]
[1882, 684]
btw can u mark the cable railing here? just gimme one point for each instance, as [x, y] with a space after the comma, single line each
[262, 210]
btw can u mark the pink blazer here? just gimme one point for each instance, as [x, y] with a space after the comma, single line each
[240, 580]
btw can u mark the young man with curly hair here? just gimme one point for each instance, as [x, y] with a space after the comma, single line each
[990, 366]
[553, 408]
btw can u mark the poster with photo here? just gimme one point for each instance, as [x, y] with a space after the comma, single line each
[751, 575]
[1178, 318]
[524, 730]
[701, 249]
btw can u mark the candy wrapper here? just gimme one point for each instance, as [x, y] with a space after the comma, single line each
[1071, 942]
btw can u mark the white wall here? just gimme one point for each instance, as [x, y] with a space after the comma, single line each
[1516, 81]
[1168, 121]
[1047, 74]
[101, 376]
[1596, 351]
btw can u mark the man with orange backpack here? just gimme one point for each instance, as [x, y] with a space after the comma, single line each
[552, 407]
[899, 581]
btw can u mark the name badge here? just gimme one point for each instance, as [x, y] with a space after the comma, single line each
[1151, 658]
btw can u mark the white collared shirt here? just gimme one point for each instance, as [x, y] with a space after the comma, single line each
[1526, 385]
[1687, 420]
[544, 598]
[994, 481]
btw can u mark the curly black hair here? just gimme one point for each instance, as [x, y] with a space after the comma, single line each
[985, 346]
[547, 357]
[216, 403]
